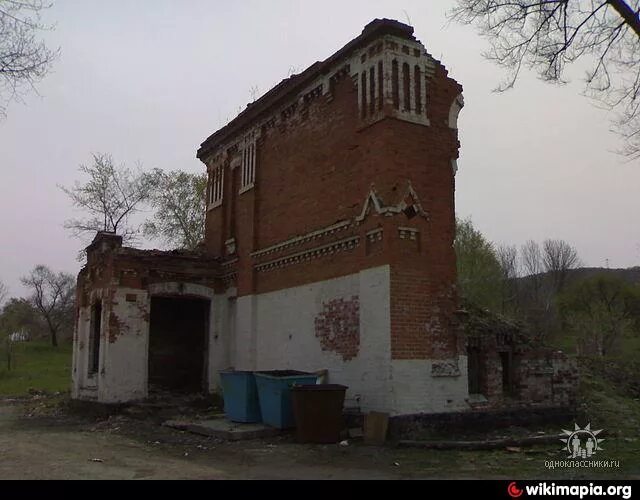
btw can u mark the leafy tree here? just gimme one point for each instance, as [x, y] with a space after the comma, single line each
[109, 197]
[601, 310]
[24, 59]
[179, 201]
[479, 272]
[18, 315]
[53, 296]
[549, 35]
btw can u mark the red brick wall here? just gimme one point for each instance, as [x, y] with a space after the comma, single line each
[316, 168]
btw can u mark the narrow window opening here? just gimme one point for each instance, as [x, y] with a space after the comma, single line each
[473, 370]
[380, 86]
[364, 94]
[418, 89]
[427, 98]
[249, 160]
[94, 338]
[216, 186]
[372, 90]
[244, 165]
[235, 174]
[406, 81]
[252, 159]
[395, 84]
[507, 379]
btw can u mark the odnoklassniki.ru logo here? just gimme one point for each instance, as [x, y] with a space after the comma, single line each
[582, 446]
[580, 491]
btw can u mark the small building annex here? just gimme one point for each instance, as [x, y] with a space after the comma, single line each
[329, 246]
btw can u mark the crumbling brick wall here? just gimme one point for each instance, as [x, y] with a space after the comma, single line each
[537, 375]
[119, 281]
[548, 377]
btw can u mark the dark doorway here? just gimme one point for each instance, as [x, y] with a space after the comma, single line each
[507, 371]
[473, 370]
[177, 344]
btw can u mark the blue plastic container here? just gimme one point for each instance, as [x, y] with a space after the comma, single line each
[274, 392]
[240, 394]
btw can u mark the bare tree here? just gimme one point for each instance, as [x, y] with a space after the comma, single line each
[531, 257]
[532, 286]
[559, 258]
[179, 201]
[510, 268]
[508, 258]
[109, 197]
[24, 59]
[549, 35]
[53, 296]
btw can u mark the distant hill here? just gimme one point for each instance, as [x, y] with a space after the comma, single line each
[631, 275]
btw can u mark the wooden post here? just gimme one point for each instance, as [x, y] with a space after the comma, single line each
[9, 343]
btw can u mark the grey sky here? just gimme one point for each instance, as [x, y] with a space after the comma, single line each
[148, 80]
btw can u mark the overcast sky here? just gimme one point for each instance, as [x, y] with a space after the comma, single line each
[149, 80]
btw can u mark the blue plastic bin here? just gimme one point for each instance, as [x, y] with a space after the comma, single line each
[240, 394]
[274, 392]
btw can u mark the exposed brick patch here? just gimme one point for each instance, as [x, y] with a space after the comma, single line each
[338, 327]
[445, 369]
[116, 325]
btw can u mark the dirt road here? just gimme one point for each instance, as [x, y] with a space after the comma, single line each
[63, 447]
[48, 437]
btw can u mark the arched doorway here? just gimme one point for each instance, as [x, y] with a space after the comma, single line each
[179, 326]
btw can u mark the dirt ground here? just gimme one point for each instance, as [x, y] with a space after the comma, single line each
[48, 437]
[37, 444]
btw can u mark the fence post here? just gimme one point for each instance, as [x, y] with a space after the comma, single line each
[9, 345]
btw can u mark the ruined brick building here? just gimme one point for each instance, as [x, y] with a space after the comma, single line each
[329, 245]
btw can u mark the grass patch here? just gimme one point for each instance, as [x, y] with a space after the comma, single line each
[35, 366]
[603, 403]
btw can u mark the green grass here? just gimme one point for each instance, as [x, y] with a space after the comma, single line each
[35, 366]
[627, 347]
[601, 404]
[40, 367]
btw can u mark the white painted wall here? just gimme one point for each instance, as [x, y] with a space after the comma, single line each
[81, 385]
[285, 334]
[122, 372]
[284, 323]
[415, 390]
[245, 334]
[221, 341]
[123, 363]
[274, 331]
[123, 367]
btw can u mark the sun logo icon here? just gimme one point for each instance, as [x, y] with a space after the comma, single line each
[581, 443]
